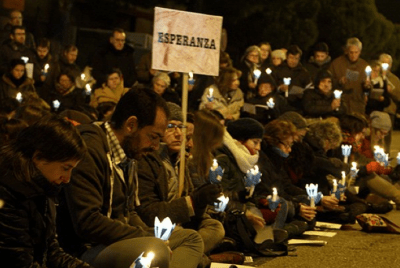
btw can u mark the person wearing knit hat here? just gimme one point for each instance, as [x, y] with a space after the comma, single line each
[245, 128]
[380, 127]
[278, 56]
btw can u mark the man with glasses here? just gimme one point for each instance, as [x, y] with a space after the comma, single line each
[159, 187]
[100, 204]
[117, 54]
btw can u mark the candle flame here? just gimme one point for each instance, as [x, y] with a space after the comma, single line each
[190, 75]
[385, 66]
[19, 97]
[46, 67]
[368, 69]
[83, 76]
[268, 71]
[257, 73]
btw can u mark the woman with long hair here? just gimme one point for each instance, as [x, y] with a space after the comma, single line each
[207, 136]
[225, 96]
[34, 167]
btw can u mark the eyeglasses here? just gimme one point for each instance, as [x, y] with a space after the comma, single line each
[286, 145]
[172, 127]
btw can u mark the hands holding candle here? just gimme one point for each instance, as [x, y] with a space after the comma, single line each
[143, 262]
[210, 96]
[368, 71]
[346, 150]
[336, 103]
[256, 75]
[313, 194]
[274, 200]
[271, 103]
[253, 177]
[216, 172]
[286, 82]
[19, 97]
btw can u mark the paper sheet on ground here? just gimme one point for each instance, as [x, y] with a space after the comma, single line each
[328, 225]
[306, 242]
[320, 233]
[225, 265]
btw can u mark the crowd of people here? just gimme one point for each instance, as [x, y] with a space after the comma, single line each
[91, 157]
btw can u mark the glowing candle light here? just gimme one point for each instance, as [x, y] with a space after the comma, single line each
[46, 68]
[368, 71]
[83, 76]
[191, 80]
[210, 96]
[256, 74]
[25, 59]
[221, 205]
[313, 194]
[287, 81]
[271, 103]
[268, 71]
[343, 178]
[337, 93]
[88, 89]
[214, 165]
[379, 154]
[56, 104]
[274, 194]
[385, 66]
[334, 186]
[216, 172]
[143, 262]
[353, 169]
[398, 159]
[19, 97]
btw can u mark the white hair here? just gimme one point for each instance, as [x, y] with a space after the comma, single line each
[354, 41]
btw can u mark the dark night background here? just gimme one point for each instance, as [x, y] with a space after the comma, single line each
[280, 22]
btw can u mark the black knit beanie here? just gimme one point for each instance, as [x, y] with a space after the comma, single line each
[245, 128]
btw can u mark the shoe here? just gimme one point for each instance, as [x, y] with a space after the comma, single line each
[295, 228]
[231, 257]
[227, 244]
[280, 235]
[381, 208]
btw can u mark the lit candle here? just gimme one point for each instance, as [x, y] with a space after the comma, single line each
[334, 186]
[210, 96]
[143, 262]
[88, 89]
[25, 59]
[268, 71]
[46, 68]
[368, 71]
[398, 159]
[346, 150]
[19, 97]
[256, 74]
[337, 93]
[379, 154]
[83, 77]
[271, 103]
[385, 66]
[287, 81]
[255, 170]
[56, 104]
[353, 169]
[343, 178]
[221, 205]
[191, 80]
[214, 165]
[274, 194]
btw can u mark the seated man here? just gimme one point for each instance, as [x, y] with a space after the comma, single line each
[159, 188]
[107, 232]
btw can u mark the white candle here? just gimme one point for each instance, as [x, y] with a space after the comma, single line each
[334, 186]
[88, 89]
[191, 80]
[312, 202]
[268, 71]
[287, 81]
[368, 71]
[255, 170]
[214, 165]
[271, 103]
[46, 68]
[385, 66]
[343, 178]
[210, 92]
[274, 194]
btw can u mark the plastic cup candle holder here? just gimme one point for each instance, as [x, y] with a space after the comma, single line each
[271, 103]
[210, 96]
[268, 71]
[56, 104]
[191, 80]
[368, 71]
[313, 194]
[143, 262]
[273, 201]
[256, 75]
[216, 173]
[379, 154]
[163, 229]
[385, 66]
[286, 82]
[19, 97]
[346, 150]
[221, 205]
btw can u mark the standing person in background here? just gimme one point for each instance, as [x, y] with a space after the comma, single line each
[265, 49]
[116, 54]
[251, 60]
[16, 19]
[227, 98]
[34, 167]
[348, 71]
[320, 60]
[394, 92]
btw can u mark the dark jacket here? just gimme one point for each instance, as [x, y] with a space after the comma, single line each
[274, 174]
[317, 104]
[96, 218]
[263, 115]
[153, 191]
[13, 50]
[374, 104]
[27, 229]
[62, 66]
[108, 57]
[313, 67]
[74, 100]
[9, 90]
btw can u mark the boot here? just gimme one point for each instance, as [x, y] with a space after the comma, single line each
[384, 188]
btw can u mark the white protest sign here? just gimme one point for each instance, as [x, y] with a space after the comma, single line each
[186, 42]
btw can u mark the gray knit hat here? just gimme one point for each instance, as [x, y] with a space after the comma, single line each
[380, 120]
[295, 118]
[243, 129]
[175, 112]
